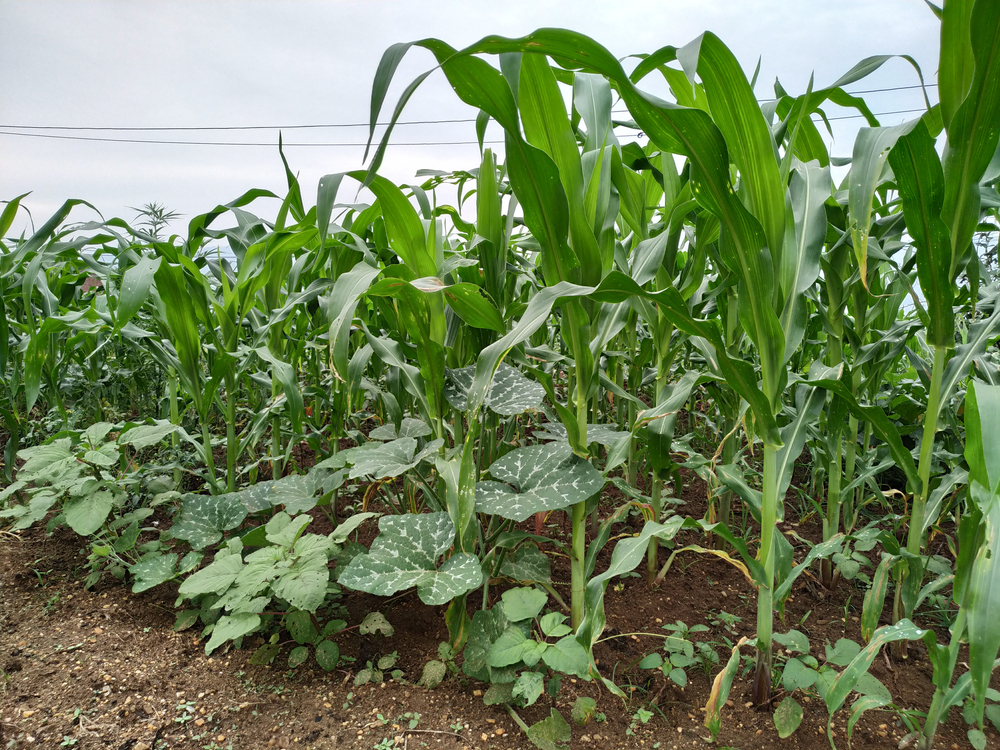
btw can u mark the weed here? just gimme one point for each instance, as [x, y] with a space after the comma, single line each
[640, 717]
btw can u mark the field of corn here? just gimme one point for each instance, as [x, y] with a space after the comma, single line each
[510, 399]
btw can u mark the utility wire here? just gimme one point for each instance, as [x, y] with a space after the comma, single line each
[320, 126]
[238, 127]
[329, 145]
[269, 144]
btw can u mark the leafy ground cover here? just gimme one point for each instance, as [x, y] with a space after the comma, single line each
[105, 668]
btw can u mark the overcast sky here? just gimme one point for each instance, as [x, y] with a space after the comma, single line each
[197, 64]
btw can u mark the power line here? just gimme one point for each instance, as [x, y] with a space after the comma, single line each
[236, 127]
[324, 126]
[880, 114]
[270, 144]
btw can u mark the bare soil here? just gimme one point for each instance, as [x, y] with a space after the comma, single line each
[104, 668]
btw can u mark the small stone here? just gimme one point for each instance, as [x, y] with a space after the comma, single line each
[477, 693]
[499, 731]
[199, 722]
[585, 738]
[484, 737]
[760, 731]
[27, 714]
[748, 704]
[141, 746]
[730, 703]
[491, 721]
[220, 738]
[98, 631]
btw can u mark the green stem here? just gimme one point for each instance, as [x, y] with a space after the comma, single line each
[831, 523]
[913, 542]
[275, 432]
[175, 418]
[206, 441]
[231, 445]
[654, 544]
[765, 611]
[938, 706]
[578, 562]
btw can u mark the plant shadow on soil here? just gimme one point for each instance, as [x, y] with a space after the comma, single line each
[104, 669]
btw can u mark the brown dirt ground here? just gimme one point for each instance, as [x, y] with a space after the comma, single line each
[105, 669]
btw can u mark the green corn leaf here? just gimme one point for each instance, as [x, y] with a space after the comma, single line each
[957, 64]
[881, 425]
[289, 380]
[732, 477]
[920, 180]
[810, 403]
[875, 597]
[663, 419]
[135, 288]
[982, 592]
[33, 363]
[819, 551]
[459, 474]
[982, 434]
[9, 212]
[847, 680]
[471, 306]
[627, 555]
[548, 128]
[800, 262]
[343, 300]
[871, 148]
[973, 132]
[740, 375]
[182, 328]
[737, 114]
